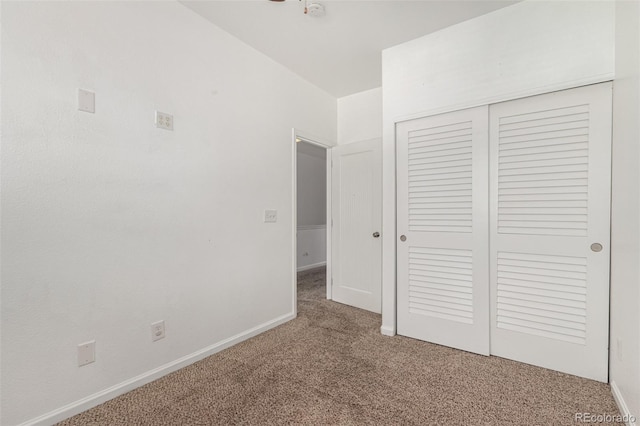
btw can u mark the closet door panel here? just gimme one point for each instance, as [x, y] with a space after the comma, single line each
[443, 229]
[550, 200]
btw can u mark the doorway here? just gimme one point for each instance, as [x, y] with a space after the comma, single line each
[348, 232]
[311, 207]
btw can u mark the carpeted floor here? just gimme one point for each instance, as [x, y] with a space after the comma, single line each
[331, 365]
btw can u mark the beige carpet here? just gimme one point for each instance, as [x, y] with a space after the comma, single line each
[332, 366]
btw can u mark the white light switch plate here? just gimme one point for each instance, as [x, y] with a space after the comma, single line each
[86, 101]
[86, 353]
[270, 216]
[164, 120]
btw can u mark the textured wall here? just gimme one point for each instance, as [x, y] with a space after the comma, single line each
[108, 223]
[360, 116]
[312, 247]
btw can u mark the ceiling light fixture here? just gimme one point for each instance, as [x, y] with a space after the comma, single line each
[313, 9]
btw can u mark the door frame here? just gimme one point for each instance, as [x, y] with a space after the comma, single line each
[298, 135]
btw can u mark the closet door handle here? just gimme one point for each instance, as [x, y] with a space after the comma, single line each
[596, 247]
[376, 234]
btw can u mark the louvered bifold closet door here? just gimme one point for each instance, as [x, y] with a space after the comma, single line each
[550, 186]
[442, 206]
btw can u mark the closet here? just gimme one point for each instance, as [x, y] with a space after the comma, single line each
[503, 226]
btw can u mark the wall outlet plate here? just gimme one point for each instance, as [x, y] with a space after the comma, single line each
[157, 331]
[270, 216]
[86, 101]
[164, 120]
[86, 353]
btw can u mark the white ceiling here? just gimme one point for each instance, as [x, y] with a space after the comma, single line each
[340, 52]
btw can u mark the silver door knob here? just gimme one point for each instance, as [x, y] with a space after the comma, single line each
[596, 247]
[376, 234]
[403, 238]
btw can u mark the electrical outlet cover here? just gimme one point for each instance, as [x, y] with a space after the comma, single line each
[86, 101]
[164, 120]
[157, 331]
[86, 353]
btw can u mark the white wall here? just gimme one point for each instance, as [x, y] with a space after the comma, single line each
[527, 48]
[311, 247]
[360, 116]
[109, 224]
[625, 211]
[312, 186]
[312, 206]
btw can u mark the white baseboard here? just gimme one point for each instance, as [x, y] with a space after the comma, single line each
[91, 401]
[387, 331]
[313, 265]
[622, 406]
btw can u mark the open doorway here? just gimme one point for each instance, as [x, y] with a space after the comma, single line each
[312, 208]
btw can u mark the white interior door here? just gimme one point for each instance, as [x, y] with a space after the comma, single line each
[356, 216]
[442, 205]
[550, 184]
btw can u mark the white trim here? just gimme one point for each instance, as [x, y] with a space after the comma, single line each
[294, 221]
[329, 231]
[311, 227]
[135, 382]
[389, 224]
[312, 266]
[506, 97]
[622, 405]
[387, 331]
